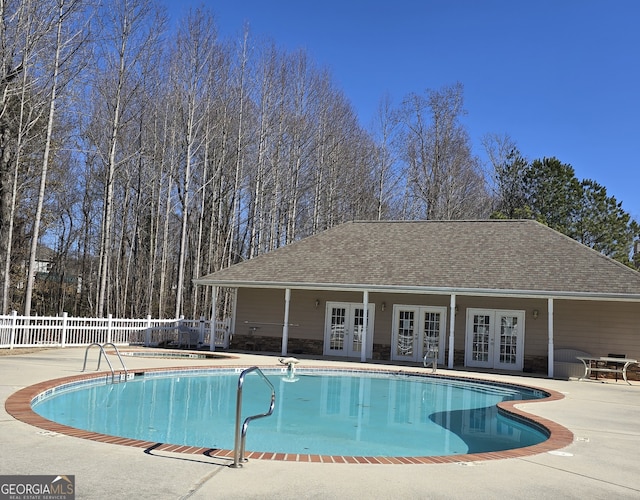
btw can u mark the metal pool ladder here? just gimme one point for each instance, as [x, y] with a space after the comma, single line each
[241, 431]
[102, 352]
[431, 357]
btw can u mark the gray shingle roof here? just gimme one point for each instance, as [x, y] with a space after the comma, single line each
[493, 256]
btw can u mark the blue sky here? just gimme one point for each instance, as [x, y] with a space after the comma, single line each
[561, 77]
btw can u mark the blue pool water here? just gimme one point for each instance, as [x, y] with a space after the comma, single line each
[337, 413]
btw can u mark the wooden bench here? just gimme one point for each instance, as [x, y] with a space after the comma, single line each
[603, 364]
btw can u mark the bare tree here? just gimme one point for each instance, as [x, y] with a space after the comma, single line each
[192, 64]
[65, 46]
[443, 173]
[233, 235]
[18, 46]
[193, 153]
[385, 132]
[298, 121]
[507, 170]
[131, 32]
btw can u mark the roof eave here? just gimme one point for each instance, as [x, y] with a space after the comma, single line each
[485, 292]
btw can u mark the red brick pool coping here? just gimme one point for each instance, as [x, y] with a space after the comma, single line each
[18, 405]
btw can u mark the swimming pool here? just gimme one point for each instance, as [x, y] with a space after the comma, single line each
[336, 412]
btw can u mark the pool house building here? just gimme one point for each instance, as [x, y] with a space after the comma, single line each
[489, 294]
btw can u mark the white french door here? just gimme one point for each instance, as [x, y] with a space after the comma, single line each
[344, 328]
[415, 330]
[495, 339]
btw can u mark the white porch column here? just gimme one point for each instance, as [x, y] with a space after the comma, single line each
[365, 325]
[550, 327]
[212, 326]
[285, 326]
[452, 325]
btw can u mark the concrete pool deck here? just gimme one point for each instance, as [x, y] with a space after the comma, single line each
[602, 461]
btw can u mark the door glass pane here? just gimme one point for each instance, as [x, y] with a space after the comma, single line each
[336, 338]
[508, 339]
[431, 331]
[406, 329]
[358, 325]
[480, 346]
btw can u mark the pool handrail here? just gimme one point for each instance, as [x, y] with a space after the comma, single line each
[431, 358]
[102, 352]
[241, 431]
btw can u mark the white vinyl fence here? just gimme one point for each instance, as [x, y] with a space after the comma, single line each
[63, 331]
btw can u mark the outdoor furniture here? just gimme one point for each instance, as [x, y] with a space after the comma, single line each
[615, 364]
[566, 364]
[606, 364]
[250, 344]
[187, 336]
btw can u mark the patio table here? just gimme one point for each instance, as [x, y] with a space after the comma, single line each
[591, 364]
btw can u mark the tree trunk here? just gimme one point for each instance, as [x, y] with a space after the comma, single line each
[45, 161]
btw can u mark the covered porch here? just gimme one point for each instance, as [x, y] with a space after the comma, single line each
[502, 331]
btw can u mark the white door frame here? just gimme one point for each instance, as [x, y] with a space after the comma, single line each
[495, 344]
[414, 348]
[349, 335]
